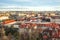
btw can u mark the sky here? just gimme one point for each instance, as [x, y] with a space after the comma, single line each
[29, 3]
